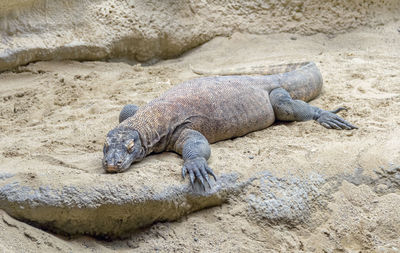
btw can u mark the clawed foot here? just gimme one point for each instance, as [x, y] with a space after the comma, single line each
[197, 168]
[330, 120]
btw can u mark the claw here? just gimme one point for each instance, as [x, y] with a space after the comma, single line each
[209, 171]
[338, 110]
[200, 177]
[183, 172]
[191, 175]
[330, 120]
[348, 124]
[351, 125]
[205, 175]
[341, 124]
[332, 124]
[198, 170]
[326, 125]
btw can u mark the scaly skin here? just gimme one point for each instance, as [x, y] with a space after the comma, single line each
[189, 116]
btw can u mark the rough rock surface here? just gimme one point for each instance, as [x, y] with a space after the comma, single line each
[104, 209]
[287, 201]
[34, 30]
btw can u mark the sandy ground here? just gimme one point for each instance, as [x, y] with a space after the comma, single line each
[58, 113]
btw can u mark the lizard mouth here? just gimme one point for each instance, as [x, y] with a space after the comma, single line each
[112, 169]
[110, 165]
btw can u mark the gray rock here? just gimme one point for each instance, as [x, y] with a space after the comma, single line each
[107, 210]
[288, 201]
[111, 209]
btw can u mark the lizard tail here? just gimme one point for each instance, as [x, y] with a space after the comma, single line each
[250, 70]
[302, 80]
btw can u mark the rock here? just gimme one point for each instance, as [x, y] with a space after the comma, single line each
[104, 209]
[288, 201]
[34, 30]
[109, 209]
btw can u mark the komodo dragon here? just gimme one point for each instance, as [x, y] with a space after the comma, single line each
[189, 116]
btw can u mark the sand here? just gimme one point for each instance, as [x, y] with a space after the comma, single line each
[58, 113]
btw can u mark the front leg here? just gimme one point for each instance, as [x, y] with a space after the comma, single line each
[195, 151]
[128, 111]
[287, 109]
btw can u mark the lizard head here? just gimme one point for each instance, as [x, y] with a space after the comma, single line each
[121, 149]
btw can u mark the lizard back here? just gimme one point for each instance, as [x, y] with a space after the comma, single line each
[219, 107]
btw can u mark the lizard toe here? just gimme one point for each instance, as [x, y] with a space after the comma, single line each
[331, 120]
[205, 175]
[209, 171]
[198, 170]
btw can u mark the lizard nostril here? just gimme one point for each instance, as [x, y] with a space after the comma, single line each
[119, 163]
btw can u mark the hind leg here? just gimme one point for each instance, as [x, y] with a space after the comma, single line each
[287, 109]
[127, 111]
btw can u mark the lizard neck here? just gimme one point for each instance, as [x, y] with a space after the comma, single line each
[151, 132]
[146, 135]
[157, 123]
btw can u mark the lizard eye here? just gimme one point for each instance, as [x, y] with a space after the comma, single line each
[130, 146]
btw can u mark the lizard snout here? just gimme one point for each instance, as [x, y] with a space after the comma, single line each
[113, 168]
